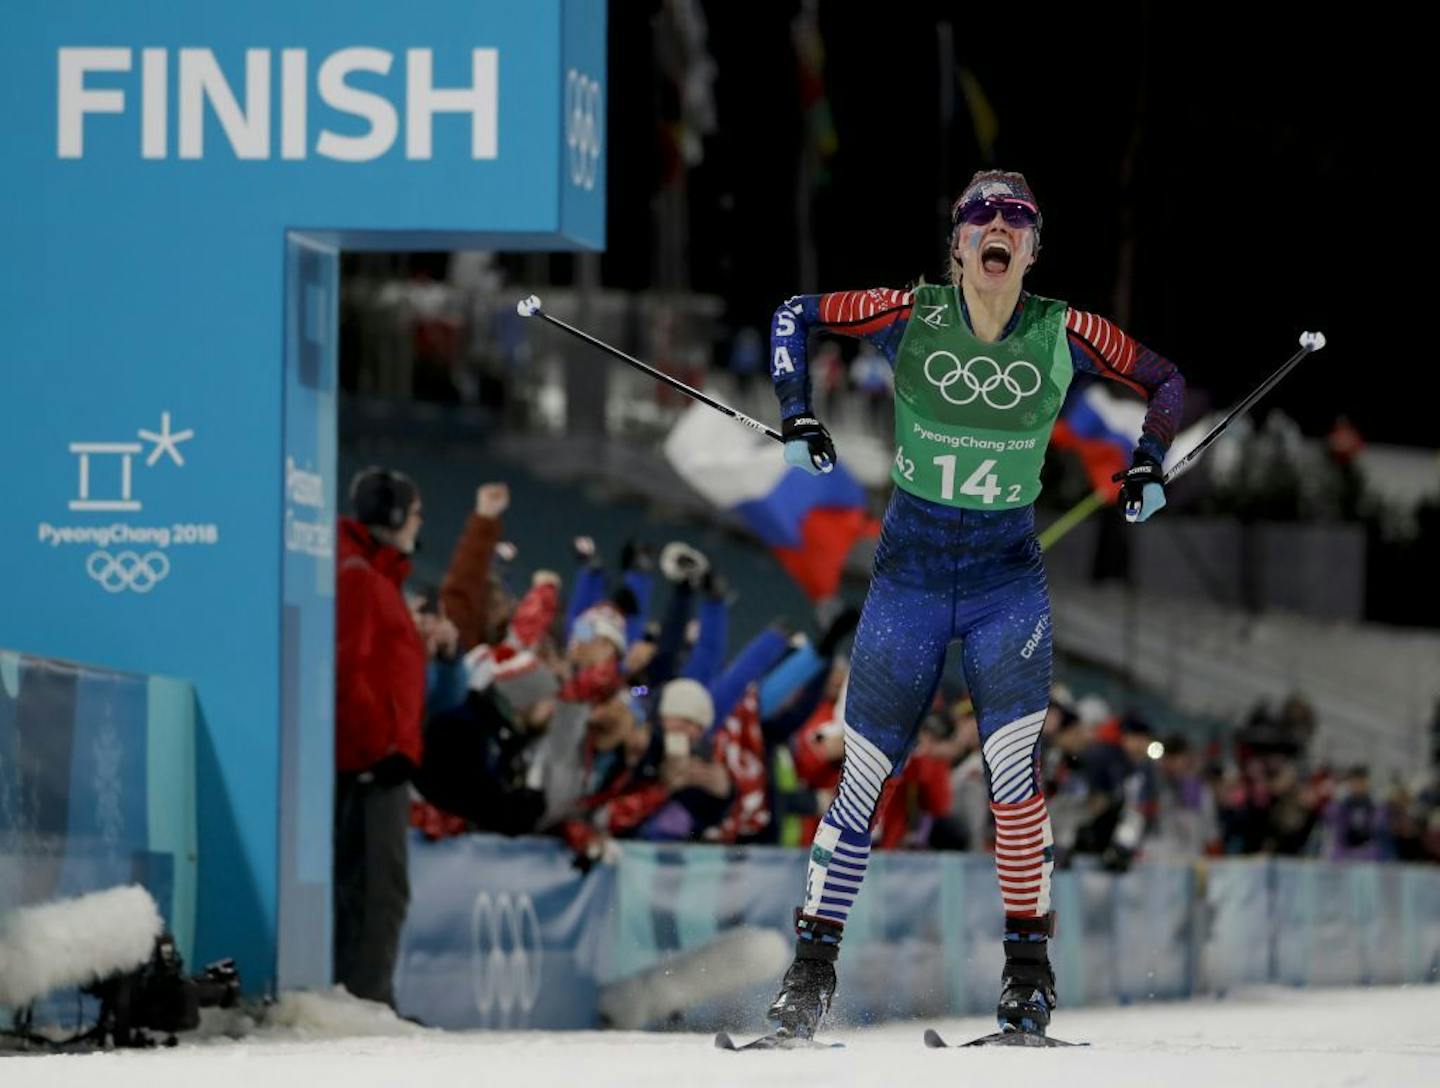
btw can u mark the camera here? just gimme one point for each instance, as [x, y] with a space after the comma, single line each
[160, 997]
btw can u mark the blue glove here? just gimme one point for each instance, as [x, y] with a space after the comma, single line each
[1142, 490]
[808, 445]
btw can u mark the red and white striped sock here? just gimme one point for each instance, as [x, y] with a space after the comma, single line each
[1023, 856]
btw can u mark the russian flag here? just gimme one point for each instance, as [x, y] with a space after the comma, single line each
[1103, 426]
[809, 522]
[1103, 429]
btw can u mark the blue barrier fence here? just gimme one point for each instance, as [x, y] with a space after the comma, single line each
[505, 933]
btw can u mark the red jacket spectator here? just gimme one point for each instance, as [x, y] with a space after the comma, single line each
[534, 614]
[740, 749]
[379, 659]
[627, 801]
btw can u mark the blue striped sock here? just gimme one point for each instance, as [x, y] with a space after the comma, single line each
[838, 860]
[840, 853]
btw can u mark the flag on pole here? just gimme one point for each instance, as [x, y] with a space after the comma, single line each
[821, 137]
[1102, 427]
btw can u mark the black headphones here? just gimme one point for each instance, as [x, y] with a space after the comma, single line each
[381, 496]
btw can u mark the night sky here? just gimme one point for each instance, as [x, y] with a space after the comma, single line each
[1264, 158]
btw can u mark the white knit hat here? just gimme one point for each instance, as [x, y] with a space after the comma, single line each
[600, 621]
[687, 699]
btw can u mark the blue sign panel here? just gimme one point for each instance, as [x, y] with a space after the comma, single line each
[176, 184]
[503, 933]
[307, 623]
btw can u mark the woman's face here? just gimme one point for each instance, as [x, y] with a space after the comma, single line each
[994, 254]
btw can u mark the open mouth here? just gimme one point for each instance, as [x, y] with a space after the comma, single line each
[995, 257]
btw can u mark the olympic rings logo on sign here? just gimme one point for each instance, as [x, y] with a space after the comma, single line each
[583, 128]
[1010, 380]
[505, 963]
[127, 570]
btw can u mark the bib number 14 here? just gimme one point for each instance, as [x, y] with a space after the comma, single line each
[982, 482]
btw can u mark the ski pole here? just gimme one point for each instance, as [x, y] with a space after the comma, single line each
[1309, 341]
[1071, 518]
[530, 307]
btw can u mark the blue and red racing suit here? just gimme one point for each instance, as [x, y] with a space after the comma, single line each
[943, 573]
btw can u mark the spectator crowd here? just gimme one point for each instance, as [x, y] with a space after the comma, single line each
[600, 704]
[567, 709]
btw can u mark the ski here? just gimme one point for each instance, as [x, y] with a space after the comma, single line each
[1000, 1038]
[774, 1041]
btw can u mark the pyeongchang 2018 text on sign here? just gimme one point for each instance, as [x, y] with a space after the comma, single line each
[125, 550]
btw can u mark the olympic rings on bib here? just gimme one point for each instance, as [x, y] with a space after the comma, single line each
[983, 376]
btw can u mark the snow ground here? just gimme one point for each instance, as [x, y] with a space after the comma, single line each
[1268, 1037]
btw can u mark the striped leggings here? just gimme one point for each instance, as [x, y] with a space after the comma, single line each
[943, 574]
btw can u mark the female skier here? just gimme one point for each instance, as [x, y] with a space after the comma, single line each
[981, 368]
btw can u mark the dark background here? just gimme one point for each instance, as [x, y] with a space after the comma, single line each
[1251, 155]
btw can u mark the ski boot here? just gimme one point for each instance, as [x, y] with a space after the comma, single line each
[1027, 989]
[1027, 984]
[810, 983]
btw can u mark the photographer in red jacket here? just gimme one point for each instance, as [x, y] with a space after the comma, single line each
[379, 702]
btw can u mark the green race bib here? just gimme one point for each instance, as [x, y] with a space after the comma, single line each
[972, 419]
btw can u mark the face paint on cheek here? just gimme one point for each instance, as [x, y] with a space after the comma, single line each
[1027, 251]
[958, 243]
[968, 239]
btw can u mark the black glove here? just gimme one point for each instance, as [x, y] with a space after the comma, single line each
[394, 770]
[808, 444]
[1142, 490]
